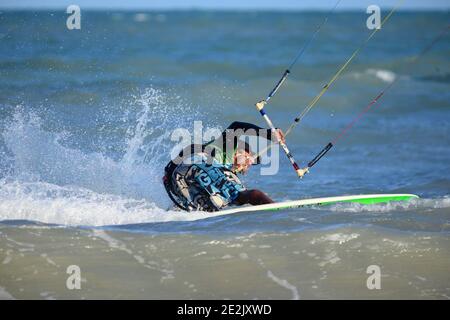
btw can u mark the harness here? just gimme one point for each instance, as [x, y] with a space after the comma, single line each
[201, 186]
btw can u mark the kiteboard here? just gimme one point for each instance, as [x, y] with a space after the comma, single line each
[367, 199]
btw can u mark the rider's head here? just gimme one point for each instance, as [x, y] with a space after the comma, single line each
[243, 158]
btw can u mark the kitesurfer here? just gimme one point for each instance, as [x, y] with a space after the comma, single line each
[204, 176]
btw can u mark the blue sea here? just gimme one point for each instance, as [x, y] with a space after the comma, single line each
[86, 127]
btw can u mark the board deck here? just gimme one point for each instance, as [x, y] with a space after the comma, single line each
[362, 199]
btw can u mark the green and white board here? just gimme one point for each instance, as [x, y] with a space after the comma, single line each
[362, 199]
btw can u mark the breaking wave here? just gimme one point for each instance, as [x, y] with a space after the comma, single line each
[43, 179]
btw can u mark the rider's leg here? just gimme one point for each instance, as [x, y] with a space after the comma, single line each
[253, 197]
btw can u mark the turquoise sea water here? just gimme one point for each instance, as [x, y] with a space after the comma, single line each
[86, 118]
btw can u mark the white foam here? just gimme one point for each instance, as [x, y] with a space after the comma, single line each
[5, 295]
[49, 261]
[52, 183]
[40, 155]
[384, 75]
[140, 17]
[49, 203]
[329, 258]
[243, 256]
[76, 206]
[336, 237]
[8, 257]
[284, 284]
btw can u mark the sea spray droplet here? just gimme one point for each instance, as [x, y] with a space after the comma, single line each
[52, 182]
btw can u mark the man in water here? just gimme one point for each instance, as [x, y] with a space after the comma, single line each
[204, 177]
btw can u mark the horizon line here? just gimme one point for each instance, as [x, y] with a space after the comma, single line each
[218, 9]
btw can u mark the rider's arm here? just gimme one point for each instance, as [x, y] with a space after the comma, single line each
[249, 129]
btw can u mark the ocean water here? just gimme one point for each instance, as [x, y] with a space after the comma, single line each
[86, 118]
